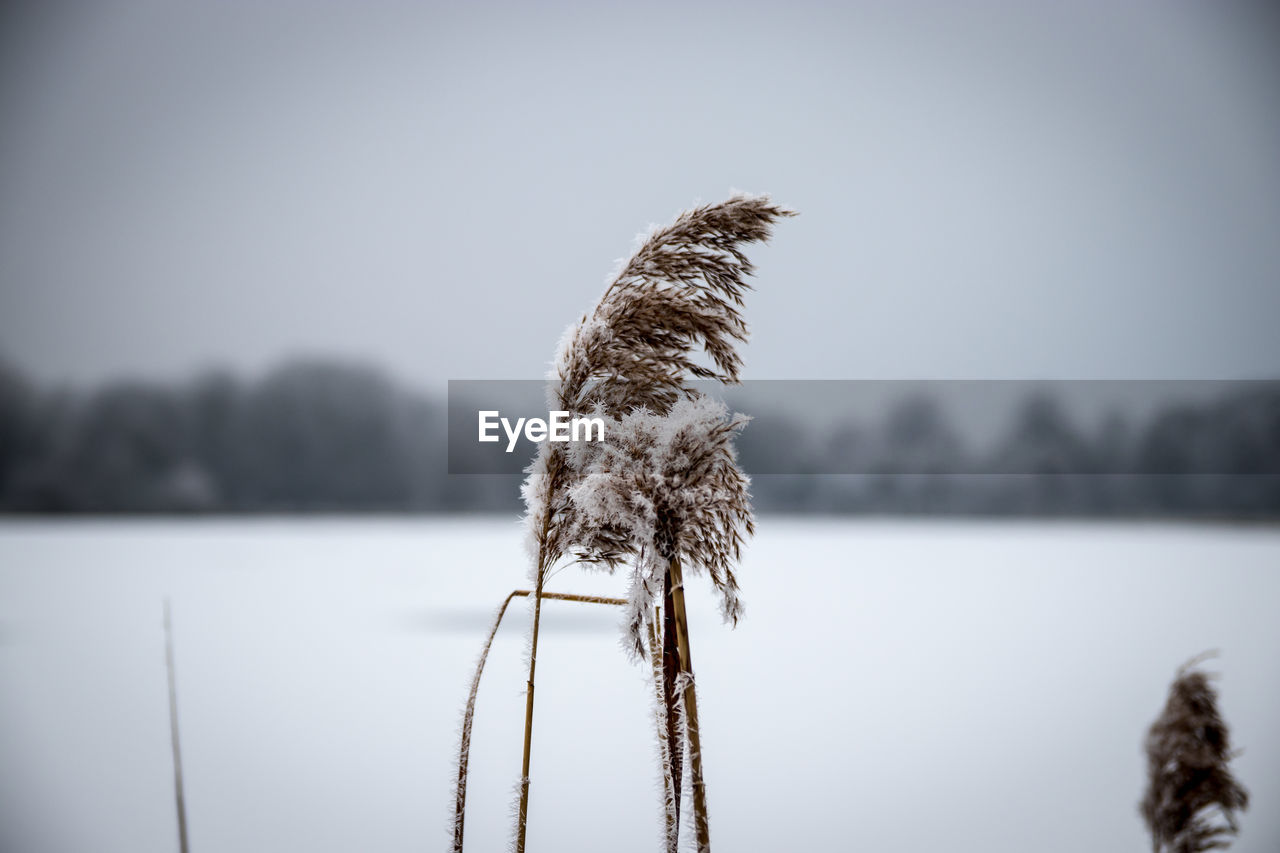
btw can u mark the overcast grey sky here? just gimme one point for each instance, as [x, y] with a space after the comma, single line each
[987, 190]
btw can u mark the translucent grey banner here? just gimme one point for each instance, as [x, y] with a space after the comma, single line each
[913, 428]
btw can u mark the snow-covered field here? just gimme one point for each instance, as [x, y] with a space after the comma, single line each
[896, 686]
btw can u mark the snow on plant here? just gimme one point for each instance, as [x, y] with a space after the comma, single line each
[680, 292]
[634, 355]
[660, 487]
[658, 490]
[663, 486]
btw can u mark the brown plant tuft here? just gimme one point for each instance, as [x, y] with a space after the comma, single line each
[680, 291]
[631, 359]
[1191, 796]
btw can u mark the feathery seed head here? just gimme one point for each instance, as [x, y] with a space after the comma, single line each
[1191, 796]
[665, 481]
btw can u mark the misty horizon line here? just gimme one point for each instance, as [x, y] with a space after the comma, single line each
[331, 435]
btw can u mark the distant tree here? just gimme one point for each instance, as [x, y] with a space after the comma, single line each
[213, 408]
[423, 426]
[918, 438]
[1173, 456]
[1113, 445]
[129, 451]
[1045, 460]
[1220, 458]
[324, 436]
[1112, 486]
[16, 415]
[1044, 441]
[919, 454]
[851, 450]
[1245, 451]
[776, 450]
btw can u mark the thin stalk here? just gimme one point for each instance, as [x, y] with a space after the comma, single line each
[671, 700]
[522, 812]
[702, 826]
[522, 806]
[464, 750]
[178, 794]
[670, 804]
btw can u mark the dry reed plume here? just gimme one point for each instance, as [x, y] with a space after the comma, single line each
[1191, 796]
[664, 486]
[662, 492]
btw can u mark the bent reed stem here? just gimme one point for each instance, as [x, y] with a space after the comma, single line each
[464, 750]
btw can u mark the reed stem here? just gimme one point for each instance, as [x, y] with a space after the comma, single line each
[464, 750]
[178, 794]
[702, 826]
[522, 812]
[664, 713]
[671, 699]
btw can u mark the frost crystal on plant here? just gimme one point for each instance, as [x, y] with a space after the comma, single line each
[659, 486]
[680, 291]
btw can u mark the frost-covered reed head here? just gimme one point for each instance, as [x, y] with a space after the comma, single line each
[678, 295]
[658, 488]
[665, 483]
[1191, 796]
[680, 292]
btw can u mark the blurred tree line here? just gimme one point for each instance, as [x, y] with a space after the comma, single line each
[1216, 459]
[326, 437]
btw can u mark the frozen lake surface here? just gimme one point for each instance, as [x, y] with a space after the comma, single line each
[896, 686]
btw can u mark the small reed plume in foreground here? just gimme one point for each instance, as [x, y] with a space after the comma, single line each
[637, 499]
[1191, 797]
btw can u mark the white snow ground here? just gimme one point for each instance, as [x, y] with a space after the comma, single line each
[896, 686]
